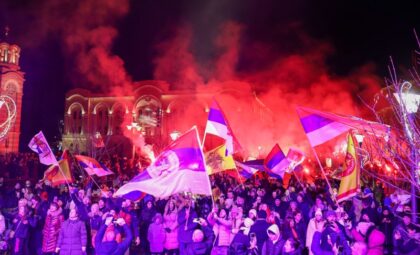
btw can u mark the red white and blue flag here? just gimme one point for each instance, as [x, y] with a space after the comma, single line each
[276, 163]
[40, 145]
[179, 168]
[245, 170]
[92, 166]
[218, 127]
[321, 127]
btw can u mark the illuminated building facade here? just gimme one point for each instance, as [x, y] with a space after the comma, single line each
[11, 91]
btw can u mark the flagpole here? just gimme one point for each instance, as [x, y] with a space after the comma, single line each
[204, 160]
[323, 173]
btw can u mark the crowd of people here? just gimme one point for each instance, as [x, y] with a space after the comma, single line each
[256, 217]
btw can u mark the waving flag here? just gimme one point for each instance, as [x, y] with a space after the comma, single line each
[179, 168]
[295, 157]
[92, 166]
[245, 170]
[40, 145]
[351, 173]
[217, 161]
[276, 163]
[321, 127]
[60, 173]
[218, 131]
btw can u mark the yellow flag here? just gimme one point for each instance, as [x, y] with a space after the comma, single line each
[59, 174]
[217, 161]
[351, 173]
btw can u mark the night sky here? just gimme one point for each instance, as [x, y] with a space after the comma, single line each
[359, 32]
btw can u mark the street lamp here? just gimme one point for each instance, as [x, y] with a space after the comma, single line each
[134, 127]
[409, 104]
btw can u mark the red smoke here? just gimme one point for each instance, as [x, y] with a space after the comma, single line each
[260, 104]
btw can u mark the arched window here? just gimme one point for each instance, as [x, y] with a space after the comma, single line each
[11, 91]
[76, 122]
[102, 120]
[118, 117]
[148, 112]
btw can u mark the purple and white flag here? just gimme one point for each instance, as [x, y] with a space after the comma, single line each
[40, 145]
[179, 168]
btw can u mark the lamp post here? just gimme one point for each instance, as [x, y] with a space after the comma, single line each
[409, 104]
[133, 127]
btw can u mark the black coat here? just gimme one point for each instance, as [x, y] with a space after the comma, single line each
[260, 229]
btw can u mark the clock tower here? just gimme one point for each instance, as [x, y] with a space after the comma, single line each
[11, 91]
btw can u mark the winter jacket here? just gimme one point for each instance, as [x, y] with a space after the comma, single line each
[112, 248]
[2, 224]
[239, 244]
[156, 237]
[171, 237]
[51, 231]
[186, 229]
[72, 237]
[260, 229]
[222, 229]
[204, 247]
[270, 248]
[409, 246]
[316, 245]
[312, 227]
[374, 239]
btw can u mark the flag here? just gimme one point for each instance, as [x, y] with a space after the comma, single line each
[60, 173]
[276, 163]
[179, 168]
[351, 173]
[40, 145]
[245, 170]
[218, 130]
[295, 157]
[217, 161]
[321, 127]
[92, 166]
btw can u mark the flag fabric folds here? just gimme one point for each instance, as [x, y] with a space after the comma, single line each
[276, 163]
[40, 145]
[321, 127]
[179, 168]
[92, 166]
[218, 126]
[295, 157]
[59, 173]
[217, 161]
[245, 170]
[351, 173]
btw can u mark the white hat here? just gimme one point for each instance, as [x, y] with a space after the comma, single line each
[274, 228]
[318, 212]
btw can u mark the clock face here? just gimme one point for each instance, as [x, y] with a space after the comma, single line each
[7, 115]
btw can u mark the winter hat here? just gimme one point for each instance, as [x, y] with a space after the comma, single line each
[247, 225]
[274, 229]
[253, 212]
[318, 212]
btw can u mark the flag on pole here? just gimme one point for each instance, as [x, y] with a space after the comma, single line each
[92, 166]
[245, 170]
[40, 145]
[179, 168]
[321, 127]
[351, 173]
[217, 127]
[217, 161]
[295, 157]
[59, 173]
[276, 163]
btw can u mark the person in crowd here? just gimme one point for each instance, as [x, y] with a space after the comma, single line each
[20, 232]
[260, 229]
[105, 240]
[386, 226]
[375, 239]
[156, 235]
[201, 240]
[275, 243]
[241, 243]
[187, 225]
[51, 229]
[146, 217]
[314, 225]
[411, 245]
[222, 227]
[291, 247]
[170, 220]
[72, 239]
